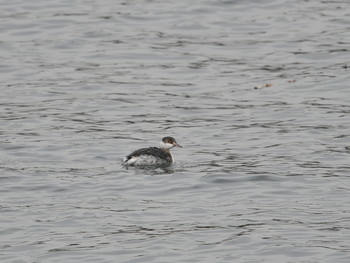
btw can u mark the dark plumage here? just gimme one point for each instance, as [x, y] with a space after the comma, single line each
[153, 151]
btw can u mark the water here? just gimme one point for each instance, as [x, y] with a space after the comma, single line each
[257, 92]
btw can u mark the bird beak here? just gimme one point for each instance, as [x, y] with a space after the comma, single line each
[178, 145]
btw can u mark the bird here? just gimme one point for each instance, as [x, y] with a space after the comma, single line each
[153, 156]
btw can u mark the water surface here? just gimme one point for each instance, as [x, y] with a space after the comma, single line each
[256, 91]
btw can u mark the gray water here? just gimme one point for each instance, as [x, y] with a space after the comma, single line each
[257, 92]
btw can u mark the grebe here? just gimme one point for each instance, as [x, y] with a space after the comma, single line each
[153, 155]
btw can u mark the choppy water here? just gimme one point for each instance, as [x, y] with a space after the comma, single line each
[256, 91]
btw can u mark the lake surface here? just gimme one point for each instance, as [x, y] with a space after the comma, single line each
[257, 92]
